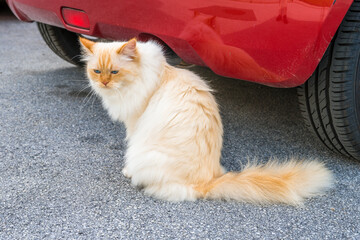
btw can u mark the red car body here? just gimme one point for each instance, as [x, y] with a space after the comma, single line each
[273, 42]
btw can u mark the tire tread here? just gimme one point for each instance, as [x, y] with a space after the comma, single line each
[326, 100]
[62, 42]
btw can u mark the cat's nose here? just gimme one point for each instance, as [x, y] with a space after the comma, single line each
[105, 82]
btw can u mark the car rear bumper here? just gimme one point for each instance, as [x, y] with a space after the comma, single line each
[273, 42]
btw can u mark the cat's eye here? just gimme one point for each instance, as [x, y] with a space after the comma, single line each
[114, 72]
[97, 71]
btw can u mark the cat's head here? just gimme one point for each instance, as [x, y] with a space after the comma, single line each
[110, 65]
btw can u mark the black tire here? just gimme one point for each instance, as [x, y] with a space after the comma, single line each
[330, 99]
[62, 42]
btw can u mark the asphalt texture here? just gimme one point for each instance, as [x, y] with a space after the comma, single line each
[61, 159]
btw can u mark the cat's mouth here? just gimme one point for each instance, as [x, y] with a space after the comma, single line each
[106, 88]
[105, 85]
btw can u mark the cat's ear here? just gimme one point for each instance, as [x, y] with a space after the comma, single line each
[87, 45]
[128, 49]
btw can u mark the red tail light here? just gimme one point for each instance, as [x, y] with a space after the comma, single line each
[75, 18]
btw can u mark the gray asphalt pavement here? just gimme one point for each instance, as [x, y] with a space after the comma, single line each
[61, 159]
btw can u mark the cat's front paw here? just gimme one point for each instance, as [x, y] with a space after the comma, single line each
[126, 173]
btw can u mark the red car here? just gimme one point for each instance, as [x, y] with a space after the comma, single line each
[314, 44]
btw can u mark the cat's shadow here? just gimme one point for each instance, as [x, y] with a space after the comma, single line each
[67, 83]
[259, 122]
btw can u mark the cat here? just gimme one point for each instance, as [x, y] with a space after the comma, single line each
[174, 132]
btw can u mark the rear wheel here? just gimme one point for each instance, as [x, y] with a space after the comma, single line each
[330, 99]
[62, 42]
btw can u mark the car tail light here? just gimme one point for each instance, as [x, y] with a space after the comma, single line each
[75, 18]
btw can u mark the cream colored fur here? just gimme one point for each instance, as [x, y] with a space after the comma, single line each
[174, 132]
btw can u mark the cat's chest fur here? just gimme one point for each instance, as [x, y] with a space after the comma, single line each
[129, 105]
[127, 111]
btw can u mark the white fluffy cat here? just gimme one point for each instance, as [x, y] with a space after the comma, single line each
[174, 131]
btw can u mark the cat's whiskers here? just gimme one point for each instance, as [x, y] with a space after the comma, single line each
[88, 98]
[118, 91]
[87, 86]
[83, 89]
[79, 55]
[94, 99]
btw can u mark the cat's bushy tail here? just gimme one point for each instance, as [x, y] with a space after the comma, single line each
[288, 183]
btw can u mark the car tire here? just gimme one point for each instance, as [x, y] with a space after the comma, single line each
[62, 42]
[330, 99]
